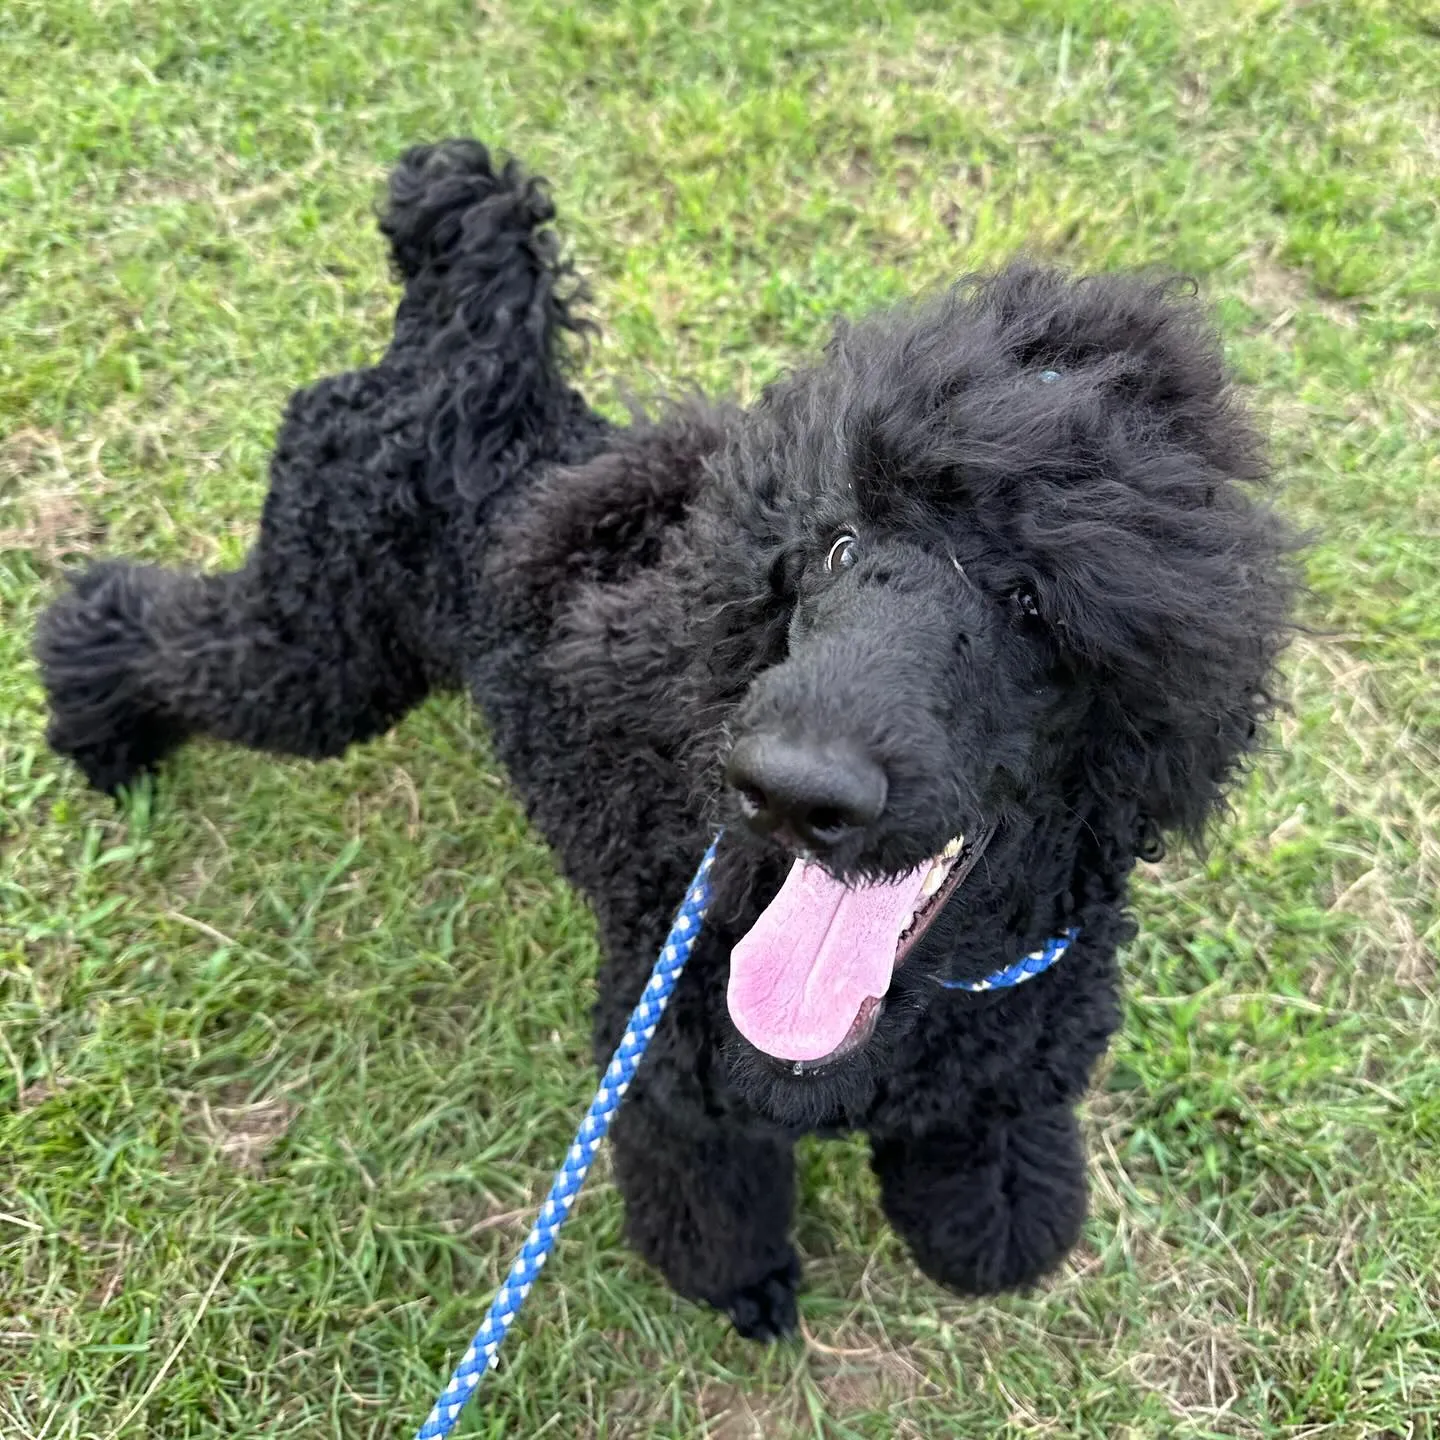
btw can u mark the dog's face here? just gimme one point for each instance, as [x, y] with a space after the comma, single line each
[921, 705]
[1008, 573]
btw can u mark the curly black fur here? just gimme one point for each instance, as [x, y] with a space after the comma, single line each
[1066, 606]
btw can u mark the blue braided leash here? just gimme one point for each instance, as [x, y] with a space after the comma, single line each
[485, 1347]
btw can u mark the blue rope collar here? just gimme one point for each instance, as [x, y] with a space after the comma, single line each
[484, 1349]
[1027, 967]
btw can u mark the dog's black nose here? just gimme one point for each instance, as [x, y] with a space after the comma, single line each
[813, 793]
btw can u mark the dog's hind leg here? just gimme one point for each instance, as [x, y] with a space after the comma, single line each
[302, 651]
[136, 659]
[709, 1206]
[989, 1208]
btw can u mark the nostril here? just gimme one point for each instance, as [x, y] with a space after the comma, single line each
[823, 819]
[752, 798]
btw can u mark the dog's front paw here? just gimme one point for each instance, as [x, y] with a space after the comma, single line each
[765, 1311]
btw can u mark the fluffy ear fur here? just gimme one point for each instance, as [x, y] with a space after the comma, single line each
[1161, 567]
[597, 545]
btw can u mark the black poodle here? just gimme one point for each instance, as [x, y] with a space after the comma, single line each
[946, 631]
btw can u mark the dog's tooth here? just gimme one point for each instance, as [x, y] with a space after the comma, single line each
[937, 875]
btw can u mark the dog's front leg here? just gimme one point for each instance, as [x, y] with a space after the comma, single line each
[987, 1206]
[708, 1204]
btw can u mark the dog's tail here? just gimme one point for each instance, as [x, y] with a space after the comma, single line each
[491, 301]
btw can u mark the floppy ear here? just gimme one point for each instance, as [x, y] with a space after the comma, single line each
[1181, 646]
[1175, 772]
[1165, 574]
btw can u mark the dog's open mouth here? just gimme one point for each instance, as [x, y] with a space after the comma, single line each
[808, 982]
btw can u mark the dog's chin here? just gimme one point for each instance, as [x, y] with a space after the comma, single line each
[818, 1100]
[834, 1092]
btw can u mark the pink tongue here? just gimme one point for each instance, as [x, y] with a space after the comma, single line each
[812, 959]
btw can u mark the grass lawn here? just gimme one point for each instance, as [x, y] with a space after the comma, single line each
[287, 1052]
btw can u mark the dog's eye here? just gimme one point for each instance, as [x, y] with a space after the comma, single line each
[842, 554]
[1026, 603]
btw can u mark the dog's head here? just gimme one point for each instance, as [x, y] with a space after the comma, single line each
[991, 561]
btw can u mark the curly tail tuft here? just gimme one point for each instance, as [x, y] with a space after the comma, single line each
[493, 303]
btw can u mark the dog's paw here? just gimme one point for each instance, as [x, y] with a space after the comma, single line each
[96, 648]
[766, 1310]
